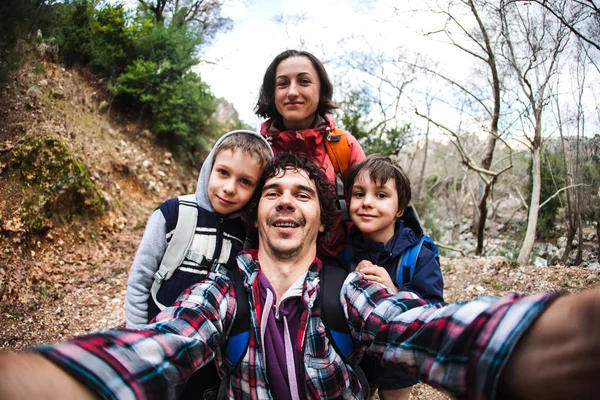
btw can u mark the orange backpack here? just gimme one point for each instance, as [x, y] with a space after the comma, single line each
[338, 150]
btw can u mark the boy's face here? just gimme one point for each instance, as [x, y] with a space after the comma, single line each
[232, 181]
[374, 208]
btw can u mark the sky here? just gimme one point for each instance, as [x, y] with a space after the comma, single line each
[234, 63]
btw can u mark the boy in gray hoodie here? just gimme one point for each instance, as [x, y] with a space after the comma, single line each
[227, 181]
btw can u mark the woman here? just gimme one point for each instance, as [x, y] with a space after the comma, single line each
[295, 97]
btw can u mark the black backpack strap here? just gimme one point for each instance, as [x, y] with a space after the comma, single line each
[239, 336]
[332, 311]
[334, 319]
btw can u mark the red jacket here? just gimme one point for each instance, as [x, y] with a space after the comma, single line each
[311, 143]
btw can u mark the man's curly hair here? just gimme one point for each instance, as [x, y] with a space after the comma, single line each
[290, 161]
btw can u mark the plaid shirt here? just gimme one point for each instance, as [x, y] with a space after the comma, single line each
[459, 348]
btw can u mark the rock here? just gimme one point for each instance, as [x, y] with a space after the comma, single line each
[561, 242]
[13, 225]
[58, 93]
[540, 262]
[34, 93]
[593, 264]
[147, 134]
[551, 249]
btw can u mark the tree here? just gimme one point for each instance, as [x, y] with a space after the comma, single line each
[473, 27]
[19, 19]
[374, 109]
[534, 43]
[374, 118]
[581, 17]
[203, 16]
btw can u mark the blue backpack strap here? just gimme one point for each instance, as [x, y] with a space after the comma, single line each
[239, 336]
[347, 256]
[408, 261]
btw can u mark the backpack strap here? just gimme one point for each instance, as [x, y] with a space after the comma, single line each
[408, 260]
[239, 336]
[334, 319]
[338, 150]
[332, 311]
[178, 245]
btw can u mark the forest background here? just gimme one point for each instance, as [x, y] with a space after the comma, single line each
[104, 113]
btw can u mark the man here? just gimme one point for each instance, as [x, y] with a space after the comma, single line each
[528, 347]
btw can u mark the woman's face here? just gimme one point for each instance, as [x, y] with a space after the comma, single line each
[297, 90]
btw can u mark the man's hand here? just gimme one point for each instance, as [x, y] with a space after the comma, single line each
[559, 357]
[30, 376]
[377, 274]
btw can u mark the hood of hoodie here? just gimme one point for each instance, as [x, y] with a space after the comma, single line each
[202, 186]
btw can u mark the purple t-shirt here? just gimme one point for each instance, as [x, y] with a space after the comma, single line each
[274, 343]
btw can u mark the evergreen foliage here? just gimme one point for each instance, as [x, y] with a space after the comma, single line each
[146, 64]
[353, 115]
[553, 179]
[19, 19]
[590, 171]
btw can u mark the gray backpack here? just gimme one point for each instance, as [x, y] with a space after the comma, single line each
[178, 247]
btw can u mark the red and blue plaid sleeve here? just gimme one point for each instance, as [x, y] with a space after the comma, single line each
[458, 348]
[153, 363]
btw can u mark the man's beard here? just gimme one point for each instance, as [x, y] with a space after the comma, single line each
[280, 250]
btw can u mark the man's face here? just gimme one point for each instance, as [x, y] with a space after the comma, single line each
[289, 215]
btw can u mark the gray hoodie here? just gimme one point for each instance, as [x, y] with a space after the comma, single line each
[154, 244]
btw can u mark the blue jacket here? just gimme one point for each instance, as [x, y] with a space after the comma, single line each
[427, 279]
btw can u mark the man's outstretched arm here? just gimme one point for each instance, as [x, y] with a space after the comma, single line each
[30, 376]
[559, 357]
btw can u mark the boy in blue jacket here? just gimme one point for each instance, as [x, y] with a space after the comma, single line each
[385, 227]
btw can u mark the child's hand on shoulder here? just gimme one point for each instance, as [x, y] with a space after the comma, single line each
[377, 274]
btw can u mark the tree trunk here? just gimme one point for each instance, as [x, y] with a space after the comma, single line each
[421, 179]
[534, 205]
[598, 238]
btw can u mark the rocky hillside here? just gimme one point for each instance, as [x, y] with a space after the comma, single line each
[77, 184]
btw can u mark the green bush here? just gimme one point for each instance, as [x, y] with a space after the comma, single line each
[178, 102]
[57, 184]
[553, 179]
[75, 37]
[19, 20]
[112, 40]
[146, 61]
[353, 115]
